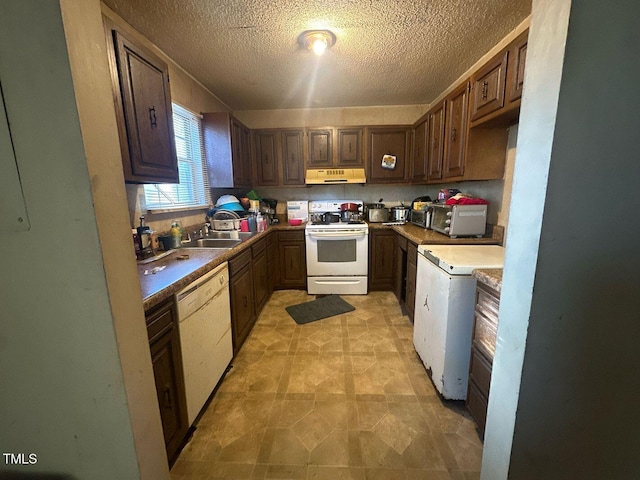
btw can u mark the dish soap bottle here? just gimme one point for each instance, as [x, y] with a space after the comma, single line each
[176, 234]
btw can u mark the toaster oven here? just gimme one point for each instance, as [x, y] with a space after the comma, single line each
[460, 220]
[421, 218]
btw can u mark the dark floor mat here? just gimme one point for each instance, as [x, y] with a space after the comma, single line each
[318, 309]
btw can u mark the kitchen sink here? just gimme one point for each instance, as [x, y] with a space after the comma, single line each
[222, 234]
[226, 243]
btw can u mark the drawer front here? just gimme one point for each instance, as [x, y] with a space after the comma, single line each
[297, 236]
[159, 321]
[239, 261]
[487, 303]
[480, 372]
[484, 335]
[258, 247]
[477, 406]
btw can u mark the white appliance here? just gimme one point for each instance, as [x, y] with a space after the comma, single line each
[459, 220]
[204, 313]
[443, 319]
[298, 209]
[337, 252]
[335, 176]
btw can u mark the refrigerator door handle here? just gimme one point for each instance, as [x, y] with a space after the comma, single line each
[426, 302]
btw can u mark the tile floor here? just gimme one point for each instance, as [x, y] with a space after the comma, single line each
[341, 398]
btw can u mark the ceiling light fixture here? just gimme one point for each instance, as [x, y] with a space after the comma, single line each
[317, 40]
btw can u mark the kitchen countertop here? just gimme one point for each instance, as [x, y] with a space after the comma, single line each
[422, 236]
[491, 277]
[177, 274]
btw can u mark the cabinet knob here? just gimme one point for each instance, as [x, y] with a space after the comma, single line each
[168, 401]
[153, 119]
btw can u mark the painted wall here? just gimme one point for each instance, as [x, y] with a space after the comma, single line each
[565, 371]
[321, 117]
[93, 91]
[71, 314]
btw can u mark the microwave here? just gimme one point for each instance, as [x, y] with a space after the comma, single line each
[459, 220]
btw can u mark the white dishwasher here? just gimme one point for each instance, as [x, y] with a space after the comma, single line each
[443, 318]
[204, 314]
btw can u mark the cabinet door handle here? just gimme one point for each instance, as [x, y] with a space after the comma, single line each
[153, 119]
[485, 89]
[168, 402]
[349, 147]
[453, 134]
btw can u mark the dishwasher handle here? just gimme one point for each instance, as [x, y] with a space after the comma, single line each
[207, 303]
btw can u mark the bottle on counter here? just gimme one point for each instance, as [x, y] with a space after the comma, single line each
[176, 234]
[252, 223]
[144, 239]
[259, 222]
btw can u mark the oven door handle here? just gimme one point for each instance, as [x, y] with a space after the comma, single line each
[336, 235]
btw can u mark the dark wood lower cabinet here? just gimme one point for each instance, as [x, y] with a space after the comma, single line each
[292, 261]
[272, 260]
[485, 326]
[412, 271]
[242, 298]
[260, 276]
[382, 251]
[406, 269]
[164, 342]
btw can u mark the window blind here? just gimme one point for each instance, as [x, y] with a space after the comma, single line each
[193, 189]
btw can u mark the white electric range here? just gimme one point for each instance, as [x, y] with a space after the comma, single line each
[337, 251]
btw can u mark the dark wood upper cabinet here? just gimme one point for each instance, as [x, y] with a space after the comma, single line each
[435, 143]
[420, 149]
[393, 141]
[456, 125]
[349, 147]
[320, 148]
[496, 88]
[143, 111]
[292, 157]
[227, 151]
[518, 56]
[488, 87]
[266, 157]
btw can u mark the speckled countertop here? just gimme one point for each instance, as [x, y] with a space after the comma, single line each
[177, 274]
[491, 277]
[420, 236]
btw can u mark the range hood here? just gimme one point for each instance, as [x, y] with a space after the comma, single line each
[333, 176]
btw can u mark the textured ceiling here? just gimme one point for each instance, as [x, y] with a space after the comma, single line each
[388, 52]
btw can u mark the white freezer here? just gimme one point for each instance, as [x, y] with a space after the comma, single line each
[443, 319]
